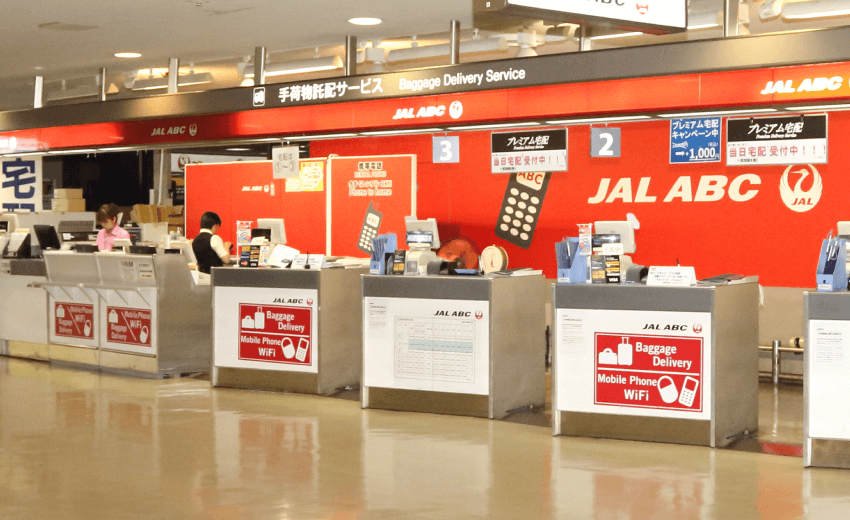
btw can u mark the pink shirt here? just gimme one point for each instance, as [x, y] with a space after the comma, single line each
[105, 239]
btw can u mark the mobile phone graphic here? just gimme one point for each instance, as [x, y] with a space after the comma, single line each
[371, 224]
[301, 354]
[521, 207]
[689, 391]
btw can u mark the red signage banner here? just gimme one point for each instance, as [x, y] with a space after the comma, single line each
[276, 334]
[647, 371]
[129, 326]
[74, 320]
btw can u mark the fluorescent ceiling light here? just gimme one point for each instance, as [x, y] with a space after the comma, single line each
[23, 154]
[116, 149]
[616, 35]
[298, 67]
[268, 139]
[127, 55]
[60, 152]
[596, 120]
[816, 9]
[308, 137]
[502, 125]
[719, 113]
[845, 106]
[434, 51]
[238, 149]
[365, 21]
[412, 131]
[182, 81]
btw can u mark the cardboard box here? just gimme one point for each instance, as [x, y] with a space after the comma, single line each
[176, 221]
[68, 205]
[144, 214]
[66, 193]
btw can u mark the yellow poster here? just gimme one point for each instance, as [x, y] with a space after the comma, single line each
[311, 177]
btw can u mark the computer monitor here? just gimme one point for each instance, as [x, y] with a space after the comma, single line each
[277, 228]
[422, 232]
[142, 250]
[48, 239]
[4, 226]
[618, 227]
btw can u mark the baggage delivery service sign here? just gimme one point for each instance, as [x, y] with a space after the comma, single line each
[649, 371]
[275, 333]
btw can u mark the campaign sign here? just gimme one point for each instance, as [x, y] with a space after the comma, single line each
[695, 140]
[644, 371]
[74, 320]
[276, 334]
[129, 326]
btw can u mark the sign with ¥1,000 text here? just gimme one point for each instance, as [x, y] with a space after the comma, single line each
[128, 326]
[695, 140]
[530, 150]
[276, 334]
[777, 140]
[648, 371]
[74, 320]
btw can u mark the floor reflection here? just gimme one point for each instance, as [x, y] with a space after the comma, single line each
[78, 444]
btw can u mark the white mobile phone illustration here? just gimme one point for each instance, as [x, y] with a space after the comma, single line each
[689, 390]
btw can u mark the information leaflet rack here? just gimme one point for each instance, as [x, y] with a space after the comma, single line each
[826, 367]
[287, 330]
[456, 345]
[664, 364]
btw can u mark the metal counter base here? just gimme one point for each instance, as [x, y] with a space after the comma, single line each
[661, 364]
[454, 345]
[27, 350]
[826, 415]
[287, 330]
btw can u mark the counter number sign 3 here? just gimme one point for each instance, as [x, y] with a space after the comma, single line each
[521, 207]
[371, 225]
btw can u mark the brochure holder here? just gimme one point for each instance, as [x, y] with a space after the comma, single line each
[572, 265]
[382, 245]
[832, 267]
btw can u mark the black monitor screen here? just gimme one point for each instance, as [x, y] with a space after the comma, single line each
[261, 232]
[47, 237]
[4, 226]
[142, 250]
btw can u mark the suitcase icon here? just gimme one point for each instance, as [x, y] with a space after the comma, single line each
[607, 357]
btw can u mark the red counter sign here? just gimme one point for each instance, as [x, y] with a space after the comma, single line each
[74, 320]
[663, 372]
[129, 326]
[275, 334]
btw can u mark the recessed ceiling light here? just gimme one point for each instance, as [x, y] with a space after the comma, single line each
[127, 55]
[238, 149]
[365, 21]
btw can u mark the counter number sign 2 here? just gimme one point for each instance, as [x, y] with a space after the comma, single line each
[371, 225]
[521, 207]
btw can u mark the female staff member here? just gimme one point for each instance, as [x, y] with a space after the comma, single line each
[107, 216]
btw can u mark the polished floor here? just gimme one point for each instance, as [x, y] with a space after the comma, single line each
[83, 445]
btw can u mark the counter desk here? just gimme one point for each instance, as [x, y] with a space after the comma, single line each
[23, 309]
[666, 364]
[139, 314]
[826, 380]
[287, 330]
[452, 344]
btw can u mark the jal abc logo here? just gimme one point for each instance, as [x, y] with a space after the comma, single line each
[456, 109]
[697, 328]
[479, 315]
[193, 129]
[797, 199]
[260, 96]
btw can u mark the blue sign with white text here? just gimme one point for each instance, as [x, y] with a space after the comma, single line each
[695, 140]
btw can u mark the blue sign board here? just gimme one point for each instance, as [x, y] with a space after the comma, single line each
[695, 140]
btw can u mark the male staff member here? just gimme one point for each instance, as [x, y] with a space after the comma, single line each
[210, 251]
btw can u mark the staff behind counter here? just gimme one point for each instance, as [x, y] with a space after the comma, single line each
[210, 251]
[107, 216]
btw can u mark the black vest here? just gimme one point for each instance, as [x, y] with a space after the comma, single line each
[204, 254]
